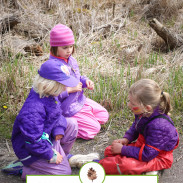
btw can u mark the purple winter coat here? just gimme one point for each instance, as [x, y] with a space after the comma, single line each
[159, 133]
[37, 115]
[73, 102]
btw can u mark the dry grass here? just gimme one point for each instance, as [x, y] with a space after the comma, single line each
[115, 47]
[160, 9]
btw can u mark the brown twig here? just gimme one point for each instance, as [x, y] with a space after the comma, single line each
[8, 147]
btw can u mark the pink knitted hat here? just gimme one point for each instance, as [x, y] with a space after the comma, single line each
[61, 35]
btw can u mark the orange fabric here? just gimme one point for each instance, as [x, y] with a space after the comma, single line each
[140, 152]
[112, 163]
[153, 147]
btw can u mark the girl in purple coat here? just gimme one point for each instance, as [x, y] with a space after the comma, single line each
[42, 138]
[88, 113]
[148, 145]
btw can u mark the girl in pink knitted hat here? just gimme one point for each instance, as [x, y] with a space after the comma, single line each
[89, 114]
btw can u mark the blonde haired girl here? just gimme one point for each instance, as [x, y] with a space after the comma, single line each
[45, 87]
[42, 138]
[148, 94]
[153, 132]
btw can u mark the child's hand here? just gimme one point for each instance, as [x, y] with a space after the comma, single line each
[75, 89]
[58, 137]
[59, 158]
[90, 84]
[116, 148]
[123, 141]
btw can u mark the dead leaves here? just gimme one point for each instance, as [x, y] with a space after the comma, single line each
[92, 174]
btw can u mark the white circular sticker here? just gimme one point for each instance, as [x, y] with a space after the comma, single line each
[65, 70]
[92, 172]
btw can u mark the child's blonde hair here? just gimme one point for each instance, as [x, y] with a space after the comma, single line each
[45, 87]
[148, 92]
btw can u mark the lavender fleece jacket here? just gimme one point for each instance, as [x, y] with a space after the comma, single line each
[159, 133]
[37, 115]
[73, 102]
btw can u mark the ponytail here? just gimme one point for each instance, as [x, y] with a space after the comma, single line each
[165, 105]
[148, 92]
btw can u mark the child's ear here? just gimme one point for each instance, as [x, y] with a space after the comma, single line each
[148, 108]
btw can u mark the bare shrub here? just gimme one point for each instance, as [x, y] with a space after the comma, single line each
[160, 9]
[113, 44]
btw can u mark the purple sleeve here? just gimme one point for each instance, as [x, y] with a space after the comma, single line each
[63, 95]
[130, 151]
[31, 122]
[132, 133]
[83, 81]
[57, 131]
[133, 152]
[60, 127]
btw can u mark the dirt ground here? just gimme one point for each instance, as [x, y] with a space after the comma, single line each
[175, 174]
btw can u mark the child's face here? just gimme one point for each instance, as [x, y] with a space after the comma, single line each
[64, 51]
[135, 107]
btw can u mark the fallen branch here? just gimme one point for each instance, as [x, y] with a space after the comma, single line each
[108, 25]
[171, 39]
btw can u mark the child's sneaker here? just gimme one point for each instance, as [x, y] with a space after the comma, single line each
[152, 173]
[14, 168]
[79, 160]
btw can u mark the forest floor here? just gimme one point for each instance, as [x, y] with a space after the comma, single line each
[174, 174]
[115, 47]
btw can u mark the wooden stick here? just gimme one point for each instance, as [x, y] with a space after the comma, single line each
[8, 147]
[171, 39]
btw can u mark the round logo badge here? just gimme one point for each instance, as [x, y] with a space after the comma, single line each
[65, 70]
[92, 172]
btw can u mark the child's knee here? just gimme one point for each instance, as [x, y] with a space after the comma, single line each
[72, 129]
[94, 130]
[63, 171]
[97, 128]
[68, 171]
[72, 123]
[104, 116]
[107, 152]
[89, 132]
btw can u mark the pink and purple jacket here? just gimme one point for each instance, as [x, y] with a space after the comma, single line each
[73, 102]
